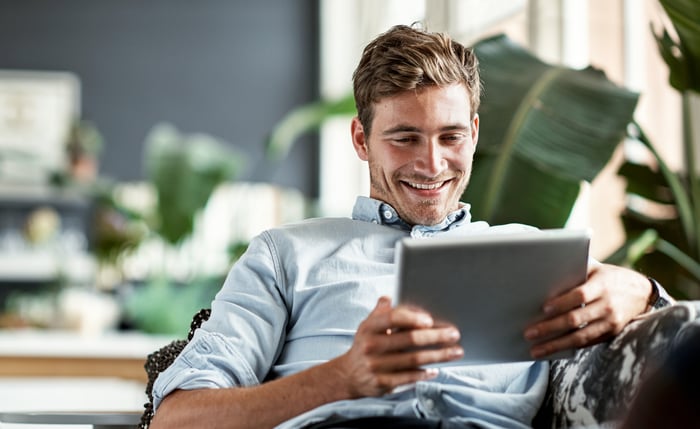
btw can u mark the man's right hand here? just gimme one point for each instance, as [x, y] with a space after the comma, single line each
[389, 349]
[392, 345]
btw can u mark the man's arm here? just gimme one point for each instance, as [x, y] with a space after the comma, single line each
[389, 348]
[595, 311]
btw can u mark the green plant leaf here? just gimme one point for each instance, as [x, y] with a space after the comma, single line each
[678, 69]
[681, 258]
[644, 182]
[685, 66]
[146, 308]
[543, 126]
[681, 196]
[306, 118]
[185, 170]
[518, 201]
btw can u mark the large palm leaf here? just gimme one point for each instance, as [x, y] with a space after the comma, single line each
[544, 129]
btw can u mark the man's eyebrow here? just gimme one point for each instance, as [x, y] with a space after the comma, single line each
[401, 129]
[410, 129]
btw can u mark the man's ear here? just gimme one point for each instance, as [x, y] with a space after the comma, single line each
[475, 130]
[359, 139]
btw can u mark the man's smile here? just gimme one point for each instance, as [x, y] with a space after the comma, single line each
[426, 186]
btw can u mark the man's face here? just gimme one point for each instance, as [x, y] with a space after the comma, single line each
[420, 151]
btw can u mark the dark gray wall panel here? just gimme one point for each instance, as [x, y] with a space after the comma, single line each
[230, 68]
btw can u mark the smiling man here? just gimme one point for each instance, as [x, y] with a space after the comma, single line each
[302, 333]
[420, 156]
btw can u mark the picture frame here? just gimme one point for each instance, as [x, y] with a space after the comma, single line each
[37, 110]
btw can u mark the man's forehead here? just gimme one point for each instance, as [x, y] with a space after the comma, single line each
[409, 111]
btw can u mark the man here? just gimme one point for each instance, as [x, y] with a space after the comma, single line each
[302, 331]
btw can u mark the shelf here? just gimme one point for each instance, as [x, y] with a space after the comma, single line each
[44, 266]
[37, 353]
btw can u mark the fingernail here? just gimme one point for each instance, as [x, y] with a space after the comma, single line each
[531, 333]
[548, 309]
[456, 351]
[431, 372]
[453, 334]
[425, 320]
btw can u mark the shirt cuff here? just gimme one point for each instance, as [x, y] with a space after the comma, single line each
[659, 297]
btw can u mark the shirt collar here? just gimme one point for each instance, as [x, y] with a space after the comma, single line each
[370, 210]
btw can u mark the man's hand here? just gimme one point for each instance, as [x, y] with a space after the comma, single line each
[592, 312]
[390, 347]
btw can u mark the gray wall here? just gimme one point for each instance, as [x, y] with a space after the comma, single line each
[230, 68]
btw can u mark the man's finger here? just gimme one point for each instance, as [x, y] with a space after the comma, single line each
[411, 360]
[386, 319]
[418, 338]
[572, 299]
[590, 334]
[565, 323]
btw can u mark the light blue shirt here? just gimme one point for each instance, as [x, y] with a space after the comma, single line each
[295, 299]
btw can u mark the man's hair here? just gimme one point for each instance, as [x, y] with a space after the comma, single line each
[409, 59]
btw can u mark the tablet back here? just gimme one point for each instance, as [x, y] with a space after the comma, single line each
[491, 286]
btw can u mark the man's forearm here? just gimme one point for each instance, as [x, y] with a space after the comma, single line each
[390, 349]
[261, 406]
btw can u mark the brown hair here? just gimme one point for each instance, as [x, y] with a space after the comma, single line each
[406, 58]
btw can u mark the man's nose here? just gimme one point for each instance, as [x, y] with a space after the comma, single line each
[431, 160]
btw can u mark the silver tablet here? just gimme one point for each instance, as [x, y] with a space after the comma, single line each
[491, 286]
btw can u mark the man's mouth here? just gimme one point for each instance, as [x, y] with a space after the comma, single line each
[425, 186]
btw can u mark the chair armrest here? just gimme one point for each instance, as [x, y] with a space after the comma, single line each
[161, 359]
[598, 384]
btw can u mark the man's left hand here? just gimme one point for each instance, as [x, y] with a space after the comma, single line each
[592, 312]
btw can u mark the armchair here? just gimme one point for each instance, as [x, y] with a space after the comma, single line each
[591, 390]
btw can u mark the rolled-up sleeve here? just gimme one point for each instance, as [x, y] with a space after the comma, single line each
[243, 337]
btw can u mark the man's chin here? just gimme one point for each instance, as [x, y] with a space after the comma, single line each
[428, 220]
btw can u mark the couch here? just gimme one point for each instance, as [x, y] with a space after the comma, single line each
[591, 390]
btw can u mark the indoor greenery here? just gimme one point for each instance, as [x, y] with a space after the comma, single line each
[183, 170]
[662, 217]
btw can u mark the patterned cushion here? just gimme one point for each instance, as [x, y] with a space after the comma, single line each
[594, 388]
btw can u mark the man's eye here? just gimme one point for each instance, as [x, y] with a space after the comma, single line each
[404, 140]
[453, 138]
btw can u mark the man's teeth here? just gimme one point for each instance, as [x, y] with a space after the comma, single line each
[427, 186]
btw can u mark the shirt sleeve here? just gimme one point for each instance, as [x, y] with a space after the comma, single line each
[243, 337]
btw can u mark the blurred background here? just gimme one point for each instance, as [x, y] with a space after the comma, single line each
[142, 144]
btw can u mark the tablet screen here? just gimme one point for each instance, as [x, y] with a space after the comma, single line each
[491, 286]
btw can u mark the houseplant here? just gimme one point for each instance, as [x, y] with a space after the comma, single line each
[184, 170]
[665, 243]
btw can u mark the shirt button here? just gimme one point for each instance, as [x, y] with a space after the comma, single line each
[429, 404]
[387, 214]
